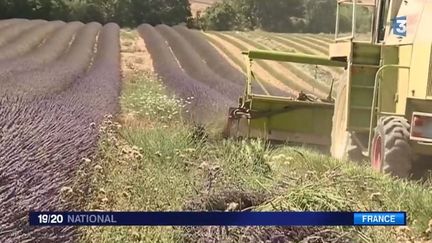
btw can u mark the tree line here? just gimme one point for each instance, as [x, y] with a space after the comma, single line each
[312, 16]
[127, 13]
[269, 15]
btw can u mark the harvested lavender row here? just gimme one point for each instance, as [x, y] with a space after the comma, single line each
[29, 40]
[50, 50]
[218, 63]
[211, 56]
[10, 32]
[58, 75]
[185, 87]
[192, 63]
[43, 143]
[219, 39]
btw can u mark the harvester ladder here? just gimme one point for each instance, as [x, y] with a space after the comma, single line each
[362, 71]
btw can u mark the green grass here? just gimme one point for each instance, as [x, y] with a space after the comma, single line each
[142, 161]
[151, 161]
[315, 182]
[149, 101]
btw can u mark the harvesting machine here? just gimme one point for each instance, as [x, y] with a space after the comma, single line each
[382, 109]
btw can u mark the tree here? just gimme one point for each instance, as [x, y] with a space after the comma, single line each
[125, 12]
[5, 6]
[122, 13]
[277, 15]
[270, 15]
[176, 11]
[245, 17]
[159, 11]
[60, 10]
[321, 16]
[220, 16]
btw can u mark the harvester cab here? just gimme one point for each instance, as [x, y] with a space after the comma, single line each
[382, 107]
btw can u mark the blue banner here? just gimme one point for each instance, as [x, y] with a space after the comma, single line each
[217, 218]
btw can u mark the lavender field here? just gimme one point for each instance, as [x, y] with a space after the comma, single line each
[51, 106]
[93, 117]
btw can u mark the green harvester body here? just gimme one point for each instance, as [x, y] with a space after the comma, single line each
[386, 76]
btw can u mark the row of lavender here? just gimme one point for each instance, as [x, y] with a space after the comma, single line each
[49, 119]
[57, 74]
[205, 100]
[191, 67]
[203, 62]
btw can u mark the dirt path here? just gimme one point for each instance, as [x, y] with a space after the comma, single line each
[134, 54]
[134, 58]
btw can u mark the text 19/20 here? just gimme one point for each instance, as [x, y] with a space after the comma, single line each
[50, 218]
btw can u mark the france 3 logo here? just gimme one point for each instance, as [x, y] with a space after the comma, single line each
[400, 26]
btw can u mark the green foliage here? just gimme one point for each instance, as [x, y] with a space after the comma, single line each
[245, 16]
[270, 15]
[168, 12]
[124, 12]
[321, 16]
[221, 16]
[314, 16]
[230, 15]
[278, 15]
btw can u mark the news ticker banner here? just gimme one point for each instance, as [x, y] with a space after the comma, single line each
[217, 218]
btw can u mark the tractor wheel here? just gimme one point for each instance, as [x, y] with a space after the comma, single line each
[391, 152]
[342, 145]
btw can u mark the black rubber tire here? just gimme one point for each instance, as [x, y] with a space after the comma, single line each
[342, 145]
[396, 153]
